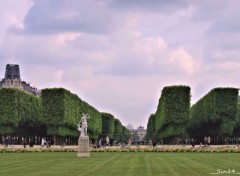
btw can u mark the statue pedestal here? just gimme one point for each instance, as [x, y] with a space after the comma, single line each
[83, 147]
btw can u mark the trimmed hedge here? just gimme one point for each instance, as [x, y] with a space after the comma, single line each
[126, 134]
[170, 149]
[20, 112]
[56, 113]
[173, 111]
[62, 111]
[118, 130]
[107, 124]
[214, 114]
[151, 131]
[36, 150]
[236, 129]
[127, 149]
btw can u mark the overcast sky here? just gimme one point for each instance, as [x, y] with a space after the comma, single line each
[117, 55]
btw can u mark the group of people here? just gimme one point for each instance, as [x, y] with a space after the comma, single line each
[103, 142]
[45, 142]
[7, 141]
[123, 145]
[153, 143]
[206, 142]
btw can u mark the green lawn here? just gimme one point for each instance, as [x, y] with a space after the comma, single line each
[107, 163]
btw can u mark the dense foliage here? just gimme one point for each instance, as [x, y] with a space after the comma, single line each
[62, 111]
[173, 111]
[55, 114]
[151, 131]
[20, 113]
[215, 113]
[58, 111]
[107, 124]
[118, 130]
[126, 134]
[236, 129]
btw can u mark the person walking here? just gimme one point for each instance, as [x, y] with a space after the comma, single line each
[107, 140]
[129, 142]
[154, 143]
[205, 141]
[111, 141]
[208, 141]
[192, 142]
[150, 142]
[43, 142]
[24, 143]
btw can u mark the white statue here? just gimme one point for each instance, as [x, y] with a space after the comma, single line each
[82, 126]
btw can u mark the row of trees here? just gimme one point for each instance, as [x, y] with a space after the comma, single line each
[114, 128]
[55, 114]
[215, 115]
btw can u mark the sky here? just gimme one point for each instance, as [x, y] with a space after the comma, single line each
[117, 55]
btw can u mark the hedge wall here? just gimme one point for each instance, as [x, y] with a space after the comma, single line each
[236, 129]
[215, 113]
[151, 131]
[118, 130]
[173, 111]
[62, 111]
[56, 113]
[107, 124]
[126, 134]
[20, 112]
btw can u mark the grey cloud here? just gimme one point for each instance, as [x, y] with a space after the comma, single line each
[3, 56]
[136, 69]
[221, 38]
[223, 16]
[214, 9]
[223, 41]
[89, 42]
[135, 66]
[47, 17]
[153, 5]
[121, 57]
[226, 25]
[220, 15]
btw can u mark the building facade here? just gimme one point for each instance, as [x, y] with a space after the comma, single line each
[12, 79]
[138, 135]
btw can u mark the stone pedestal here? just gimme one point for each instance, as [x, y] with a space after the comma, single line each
[83, 147]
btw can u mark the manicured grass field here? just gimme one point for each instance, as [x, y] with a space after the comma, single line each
[117, 164]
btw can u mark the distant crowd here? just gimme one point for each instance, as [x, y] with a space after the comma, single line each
[105, 141]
